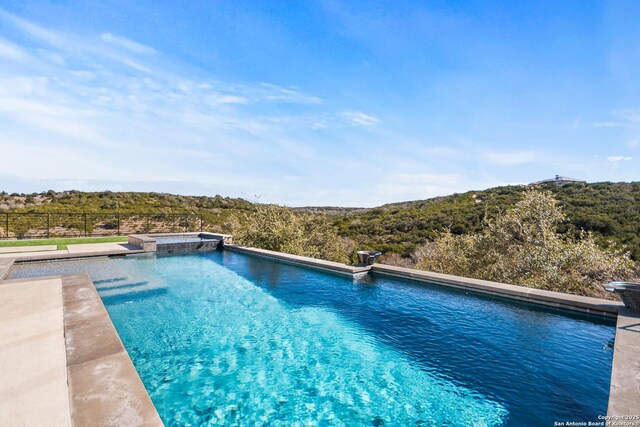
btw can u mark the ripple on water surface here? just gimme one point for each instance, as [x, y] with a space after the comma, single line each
[225, 339]
[232, 353]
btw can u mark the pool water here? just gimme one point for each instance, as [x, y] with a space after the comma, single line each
[222, 338]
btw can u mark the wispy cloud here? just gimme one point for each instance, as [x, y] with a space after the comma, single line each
[277, 93]
[629, 114]
[623, 118]
[615, 159]
[246, 107]
[360, 118]
[610, 124]
[115, 48]
[130, 45]
[11, 51]
[77, 104]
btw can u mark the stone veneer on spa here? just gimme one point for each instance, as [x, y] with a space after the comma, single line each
[180, 242]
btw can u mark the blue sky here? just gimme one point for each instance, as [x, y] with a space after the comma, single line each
[317, 102]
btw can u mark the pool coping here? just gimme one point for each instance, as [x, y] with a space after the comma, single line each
[589, 305]
[97, 361]
[318, 264]
[93, 254]
[5, 266]
[624, 391]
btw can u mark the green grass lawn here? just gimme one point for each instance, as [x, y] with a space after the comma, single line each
[62, 243]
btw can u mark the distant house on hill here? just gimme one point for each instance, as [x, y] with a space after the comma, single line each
[558, 180]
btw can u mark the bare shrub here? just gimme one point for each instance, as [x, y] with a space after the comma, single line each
[280, 229]
[522, 246]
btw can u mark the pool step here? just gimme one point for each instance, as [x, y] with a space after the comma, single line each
[122, 286]
[133, 296]
[133, 291]
[129, 288]
[113, 280]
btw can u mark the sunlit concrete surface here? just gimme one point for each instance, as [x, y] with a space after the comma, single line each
[89, 249]
[15, 249]
[34, 252]
[624, 395]
[101, 247]
[33, 364]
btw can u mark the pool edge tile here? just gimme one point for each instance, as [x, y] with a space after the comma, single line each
[108, 392]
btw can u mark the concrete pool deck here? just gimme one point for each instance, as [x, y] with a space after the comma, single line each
[62, 361]
[17, 249]
[33, 358]
[624, 394]
[36, 252]
[105, 362]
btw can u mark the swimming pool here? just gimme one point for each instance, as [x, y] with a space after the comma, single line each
[224, 338]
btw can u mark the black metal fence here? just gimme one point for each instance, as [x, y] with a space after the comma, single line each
[19, 225]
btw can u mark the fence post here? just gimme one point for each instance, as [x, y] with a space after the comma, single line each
[85, 224]
[7, 224]
[48, 224]
[118, 216]
[201, 223]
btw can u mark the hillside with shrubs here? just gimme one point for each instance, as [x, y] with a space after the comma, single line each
[610, 211]
[567, 238]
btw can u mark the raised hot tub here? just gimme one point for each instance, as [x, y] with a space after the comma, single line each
[180, 242]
